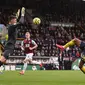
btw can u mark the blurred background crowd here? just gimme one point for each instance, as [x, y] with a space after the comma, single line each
[62, 20]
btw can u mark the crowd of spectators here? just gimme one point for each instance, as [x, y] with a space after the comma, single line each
[47, 37]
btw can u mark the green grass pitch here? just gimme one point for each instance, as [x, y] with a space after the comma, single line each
[43, 78]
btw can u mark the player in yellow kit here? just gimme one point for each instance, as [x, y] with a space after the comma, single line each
[81, 45]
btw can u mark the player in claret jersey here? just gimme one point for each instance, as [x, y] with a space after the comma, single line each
[28, 45]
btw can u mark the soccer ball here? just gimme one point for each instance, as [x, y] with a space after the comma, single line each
[6, 37]
[36, 21]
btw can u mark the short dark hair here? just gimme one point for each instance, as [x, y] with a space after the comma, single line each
[12, 17]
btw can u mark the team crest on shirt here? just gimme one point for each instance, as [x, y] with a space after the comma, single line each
[27, 45]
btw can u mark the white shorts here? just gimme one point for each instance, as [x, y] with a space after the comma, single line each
[29, 56]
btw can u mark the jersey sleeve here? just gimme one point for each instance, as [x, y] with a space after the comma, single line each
[22, 43]
[33, 42]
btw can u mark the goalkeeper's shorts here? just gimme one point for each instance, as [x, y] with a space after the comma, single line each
[7, 53]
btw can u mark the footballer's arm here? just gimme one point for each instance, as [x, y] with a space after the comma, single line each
[34, 47]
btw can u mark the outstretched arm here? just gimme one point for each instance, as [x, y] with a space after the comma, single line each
[20, 16]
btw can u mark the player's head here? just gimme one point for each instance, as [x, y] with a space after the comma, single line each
[12, 19]
[27, 35]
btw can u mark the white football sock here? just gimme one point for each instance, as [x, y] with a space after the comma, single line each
[24, 67]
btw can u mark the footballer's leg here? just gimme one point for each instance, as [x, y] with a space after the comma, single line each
[27, 59]
[24, 67]
[30, 58]
[25, 64]
[73, 42]
[5, 56]
[81, 66]
[1, 50]
[2, 58]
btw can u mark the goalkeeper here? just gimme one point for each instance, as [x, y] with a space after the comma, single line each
[9, 47]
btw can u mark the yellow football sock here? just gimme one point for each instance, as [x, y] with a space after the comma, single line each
[71, 43]
[83, 69]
